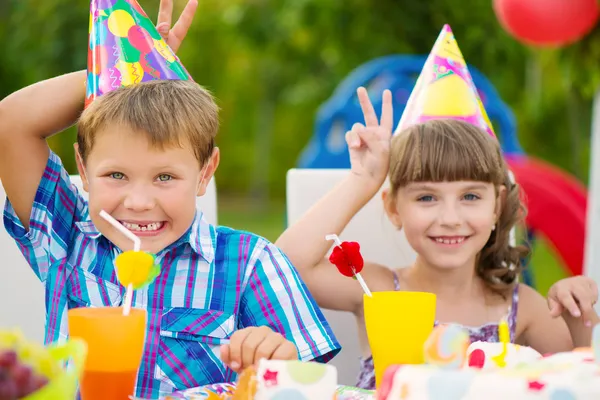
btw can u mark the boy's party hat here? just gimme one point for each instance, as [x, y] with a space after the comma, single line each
[125, 48]
[445, 89]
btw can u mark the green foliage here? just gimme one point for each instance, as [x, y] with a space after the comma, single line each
[272, 63]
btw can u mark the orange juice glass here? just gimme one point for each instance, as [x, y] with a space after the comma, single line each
[115, 346]
[398, 324]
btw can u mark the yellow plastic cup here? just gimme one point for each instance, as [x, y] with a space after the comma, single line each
[398, 324]
[115, 346]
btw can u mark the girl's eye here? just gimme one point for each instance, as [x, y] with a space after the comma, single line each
[471, 197]
[117, 175]
[164, 177]
[425, 198]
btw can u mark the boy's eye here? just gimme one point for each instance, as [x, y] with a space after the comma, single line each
[471, 197]
[425, 198]
[117, 175]
[164, 177]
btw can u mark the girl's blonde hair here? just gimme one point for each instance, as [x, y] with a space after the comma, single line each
[446, 150]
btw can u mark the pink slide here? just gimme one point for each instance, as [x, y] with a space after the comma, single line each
[556, 207]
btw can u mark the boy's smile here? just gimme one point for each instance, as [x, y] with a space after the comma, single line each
[150, 190]
[144, 228]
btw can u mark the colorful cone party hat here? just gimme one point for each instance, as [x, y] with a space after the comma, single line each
[445, 89]
[125, 48]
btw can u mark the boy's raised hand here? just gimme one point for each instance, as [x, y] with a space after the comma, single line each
[175, 35]
[369, 144]
[247, 346]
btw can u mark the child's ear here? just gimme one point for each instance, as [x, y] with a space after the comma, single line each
[209, 171]
[81, 168]
[500, 201]
[391, 209]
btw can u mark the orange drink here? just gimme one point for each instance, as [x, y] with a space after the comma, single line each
[115, 346]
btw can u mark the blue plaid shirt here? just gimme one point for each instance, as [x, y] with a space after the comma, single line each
[214, 280]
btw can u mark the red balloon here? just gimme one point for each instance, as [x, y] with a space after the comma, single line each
[547, 22]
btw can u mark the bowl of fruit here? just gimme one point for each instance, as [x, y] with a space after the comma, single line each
[31, 371]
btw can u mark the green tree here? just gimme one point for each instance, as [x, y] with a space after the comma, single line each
[271, 63]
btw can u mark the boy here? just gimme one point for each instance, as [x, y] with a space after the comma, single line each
[144, 153]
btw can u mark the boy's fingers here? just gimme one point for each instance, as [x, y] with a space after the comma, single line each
[225, 354]
[286, 351]
[235, 348]
[185, 20]
[267, 347]
[164, 17]
[251, 343]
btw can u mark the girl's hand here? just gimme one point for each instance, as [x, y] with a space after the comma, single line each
[574, 297]
[369, 144]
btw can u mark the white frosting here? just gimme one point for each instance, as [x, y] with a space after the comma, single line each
[515, 354]
[572, 376]
[295, 379]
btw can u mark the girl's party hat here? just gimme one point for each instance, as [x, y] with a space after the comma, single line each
[125, 48]
[445, 89]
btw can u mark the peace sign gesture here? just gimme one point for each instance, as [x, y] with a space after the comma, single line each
[369, 144]
[174, 36]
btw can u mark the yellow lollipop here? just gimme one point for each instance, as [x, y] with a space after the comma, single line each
[136, 268]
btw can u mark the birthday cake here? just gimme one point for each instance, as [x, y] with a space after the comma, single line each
[492, 371]
[276, 380]
[563, 376]
[482, 354]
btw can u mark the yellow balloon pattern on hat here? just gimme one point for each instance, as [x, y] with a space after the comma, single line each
[124, 48]
[164, 50]
[130, 72]
[119, 23]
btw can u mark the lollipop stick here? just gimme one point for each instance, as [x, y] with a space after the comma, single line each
[128, 300]
[359, 278]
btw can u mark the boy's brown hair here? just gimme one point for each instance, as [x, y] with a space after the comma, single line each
[168, 112]
[449, 150]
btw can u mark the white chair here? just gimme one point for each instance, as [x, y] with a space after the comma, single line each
[22, 294]
[379, 241]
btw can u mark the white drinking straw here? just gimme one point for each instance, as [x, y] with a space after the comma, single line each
[359, 278]
[136, 247]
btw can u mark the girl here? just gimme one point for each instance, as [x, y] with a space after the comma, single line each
[451, 194]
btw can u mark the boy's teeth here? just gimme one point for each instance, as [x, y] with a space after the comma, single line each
[142, 228]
